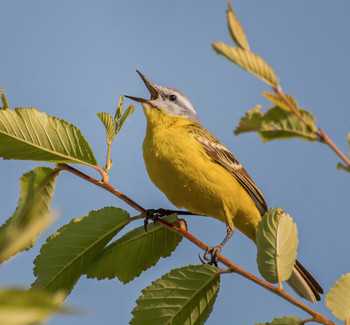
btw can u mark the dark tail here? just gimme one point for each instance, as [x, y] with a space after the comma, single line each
[302, 282]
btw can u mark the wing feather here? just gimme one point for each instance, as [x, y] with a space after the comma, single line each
[220, 154]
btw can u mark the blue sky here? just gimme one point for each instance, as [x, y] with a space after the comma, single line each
[72, 59]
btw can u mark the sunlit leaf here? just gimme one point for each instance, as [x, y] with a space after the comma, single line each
[236, 29]
[248, 61]
[182, 296]
[127, 113]
[68, 253]
[278, 101]
[277, 243]
[277, 123]
[108, 122]
[135, 252]
[338, 298]
[288, 320]
[23, 307]
[119, 111]
[3, 99]
[28, 134]
[31, 215]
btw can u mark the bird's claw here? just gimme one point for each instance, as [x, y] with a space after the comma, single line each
[155, 214]
[214, 252]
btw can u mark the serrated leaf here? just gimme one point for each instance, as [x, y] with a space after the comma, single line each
[277, 123]
[68, 253]
[135, 252]
[108, 122]
[119, 111]
[236, 29]
[31, 215]
[278, 101]
[22, 307]
[248, 61]
[288, 320]
[277, 243]
[182, 296]
[127, 113]
[28, 134]
[4, 100]
[338, 298]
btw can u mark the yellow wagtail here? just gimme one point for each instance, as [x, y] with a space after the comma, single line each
[197, 172]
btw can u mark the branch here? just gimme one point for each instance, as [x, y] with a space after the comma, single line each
[321, 134]
[104, 184]
[184, 233]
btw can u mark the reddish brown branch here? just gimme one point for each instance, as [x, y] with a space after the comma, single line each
[316, 316]
[322, 136]
[184, 233]
[105, 185]
[280, 93]
[326, 139]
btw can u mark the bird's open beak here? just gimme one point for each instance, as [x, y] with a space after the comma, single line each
[151, 88]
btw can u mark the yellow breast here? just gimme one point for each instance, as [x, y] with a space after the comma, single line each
[179, 166]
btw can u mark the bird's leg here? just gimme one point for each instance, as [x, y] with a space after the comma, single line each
[215, 251]
[159, 213]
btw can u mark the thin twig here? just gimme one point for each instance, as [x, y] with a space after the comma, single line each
[326, 139]
[184, 233]
[104, 185]
[321, 134]
[280, 93]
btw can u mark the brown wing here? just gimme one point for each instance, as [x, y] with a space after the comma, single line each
[220, 154]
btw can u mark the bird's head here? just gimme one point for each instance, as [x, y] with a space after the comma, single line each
[168, 100]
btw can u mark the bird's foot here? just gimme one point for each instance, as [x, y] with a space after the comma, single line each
[155, 214]
[214, 252]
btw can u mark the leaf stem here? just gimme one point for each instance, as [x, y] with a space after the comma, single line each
[321, 134]
[108, 159]
[184, 233]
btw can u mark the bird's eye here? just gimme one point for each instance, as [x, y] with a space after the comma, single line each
[172, 98]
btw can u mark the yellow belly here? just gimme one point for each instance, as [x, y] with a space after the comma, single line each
[178, 165]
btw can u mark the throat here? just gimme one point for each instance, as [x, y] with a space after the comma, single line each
[158, 119]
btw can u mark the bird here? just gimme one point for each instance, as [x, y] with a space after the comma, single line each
[197, 172]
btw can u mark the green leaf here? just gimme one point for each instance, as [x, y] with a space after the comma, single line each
[135, 252]
[28, 134]
[278, 101]
[288, 320]
[277, 243]
[108, 122]
[127, 113]
[277, 123]
[119, 111]
[236, 30]
[248, 61]
[343, 167]
[338, 298]
[22, 307]
[183, 296]
[68, 253]
[3, 99]
[31, 215]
